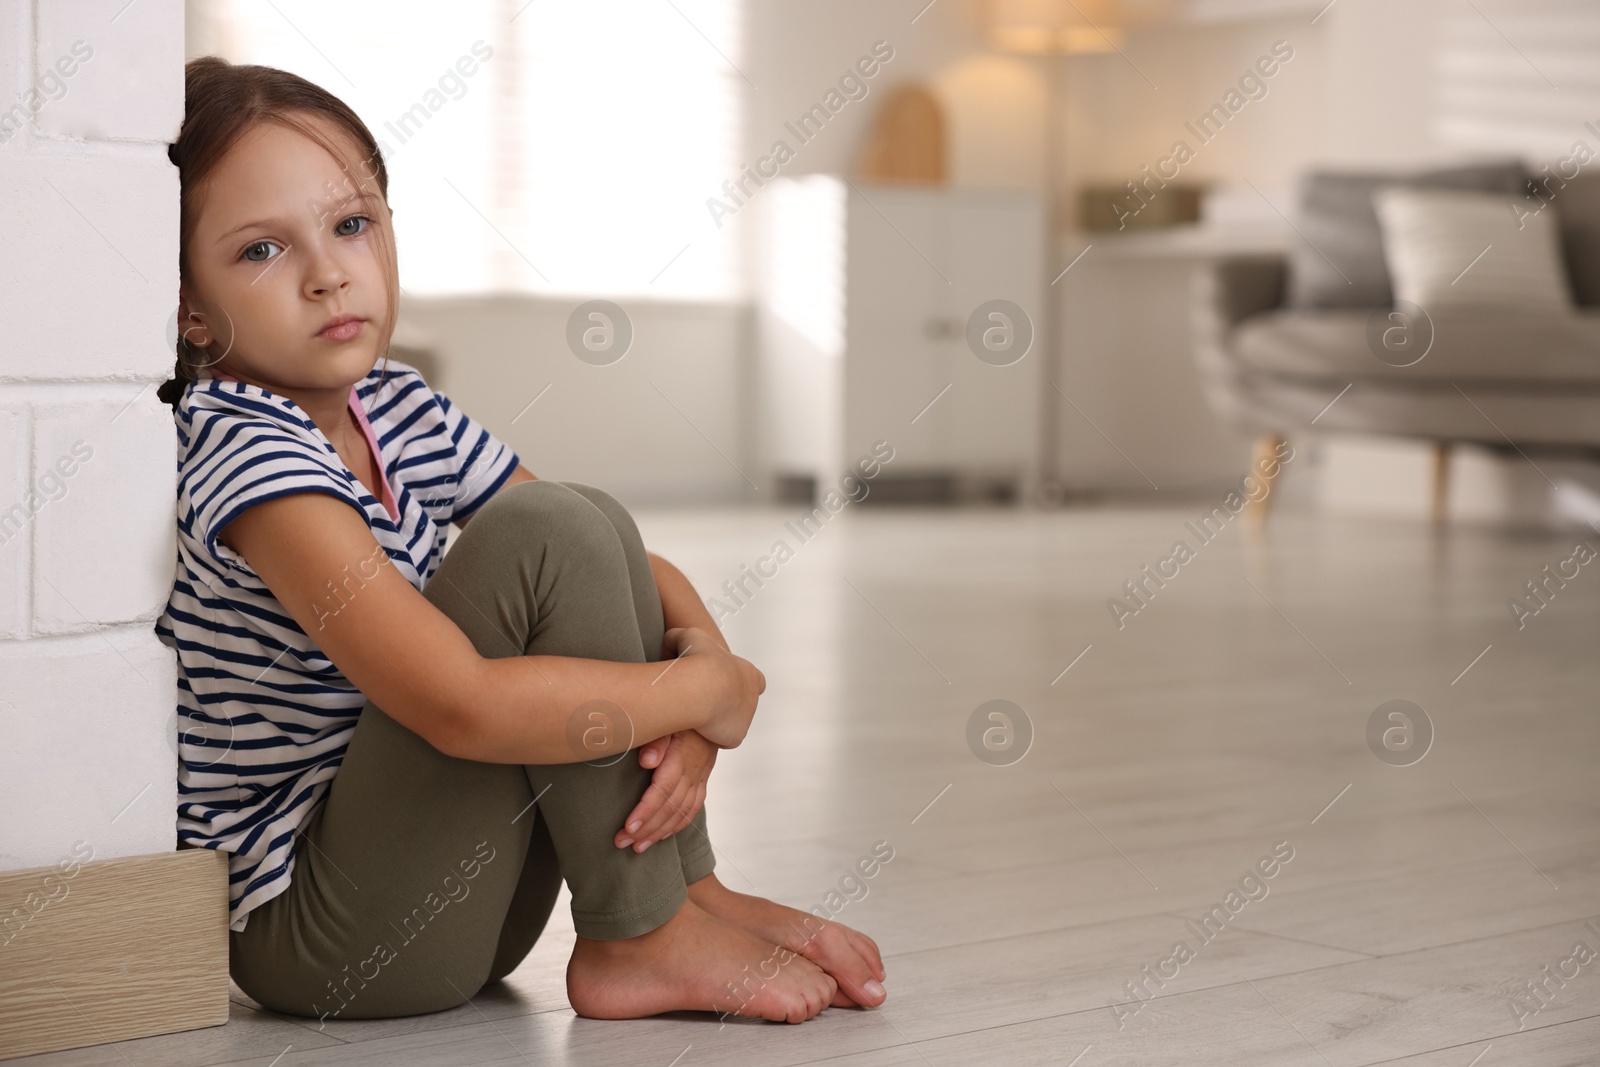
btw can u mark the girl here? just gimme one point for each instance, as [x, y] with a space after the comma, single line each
[406, 752]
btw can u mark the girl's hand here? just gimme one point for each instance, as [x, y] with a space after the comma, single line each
[732, 687]
[683, 763]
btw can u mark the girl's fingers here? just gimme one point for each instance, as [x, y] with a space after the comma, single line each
[651, 753]
[672, 811]
[643, 813]
[652, 827]
[658, 826]
[666, 779]
[694, 809]
[662, 811]
[685, 816]
[697, 800]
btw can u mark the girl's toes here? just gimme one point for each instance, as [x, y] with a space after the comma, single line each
[868, 949]
[825, 996]
[856, 978]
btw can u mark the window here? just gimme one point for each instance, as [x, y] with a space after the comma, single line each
[575, 159]
[1510, 76]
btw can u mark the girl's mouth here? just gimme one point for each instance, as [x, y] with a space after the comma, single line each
[348, 330]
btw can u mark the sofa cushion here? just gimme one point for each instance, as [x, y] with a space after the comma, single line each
[1337, 217]
[1450, 249]
[1518, 350]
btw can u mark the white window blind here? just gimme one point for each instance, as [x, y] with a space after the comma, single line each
[1519, 76]
[576, 158]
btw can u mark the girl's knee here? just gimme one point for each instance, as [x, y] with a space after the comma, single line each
[594, 494]
[549, 503]
[545, 513]
[609, 505]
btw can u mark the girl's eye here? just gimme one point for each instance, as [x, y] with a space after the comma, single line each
[343, 232]
[251, 250]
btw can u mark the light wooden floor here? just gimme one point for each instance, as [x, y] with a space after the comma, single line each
[1228, 716]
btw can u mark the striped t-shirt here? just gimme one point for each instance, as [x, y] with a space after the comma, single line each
[264, 717]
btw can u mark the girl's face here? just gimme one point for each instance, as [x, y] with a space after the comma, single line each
[285, 242]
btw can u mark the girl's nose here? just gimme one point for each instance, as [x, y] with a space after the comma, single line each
[324, 274]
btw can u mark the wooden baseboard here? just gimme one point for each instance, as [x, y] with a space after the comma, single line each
[112, 949]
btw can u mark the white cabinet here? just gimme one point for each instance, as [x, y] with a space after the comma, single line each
[866, 297]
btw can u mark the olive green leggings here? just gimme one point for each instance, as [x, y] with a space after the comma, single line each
[422, 877]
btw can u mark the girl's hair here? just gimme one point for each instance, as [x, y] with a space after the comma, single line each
[222, 102]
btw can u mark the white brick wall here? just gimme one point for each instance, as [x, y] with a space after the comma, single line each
[88, 280]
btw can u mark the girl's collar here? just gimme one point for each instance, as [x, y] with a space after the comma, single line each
[355, 399]
[390, 504]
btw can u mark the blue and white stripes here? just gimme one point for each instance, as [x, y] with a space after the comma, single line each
[263, 716]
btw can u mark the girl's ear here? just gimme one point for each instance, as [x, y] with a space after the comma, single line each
[192, 326]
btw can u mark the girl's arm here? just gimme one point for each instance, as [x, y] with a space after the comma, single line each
[682, 761]
[680, 604]
[413, 661]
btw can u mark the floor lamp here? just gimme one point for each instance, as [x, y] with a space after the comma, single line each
[1056, 29]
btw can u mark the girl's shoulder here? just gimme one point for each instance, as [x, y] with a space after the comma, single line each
[240, 445]
[226, 394]
[221, 421]
[235, 434]
[208, 402]
[394, 383]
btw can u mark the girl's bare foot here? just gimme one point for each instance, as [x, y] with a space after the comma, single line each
[850, 957]
[695, 962]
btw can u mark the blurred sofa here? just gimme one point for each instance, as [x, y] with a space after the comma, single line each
[1279, 337]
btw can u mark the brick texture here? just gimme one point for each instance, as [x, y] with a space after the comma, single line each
[91, 91]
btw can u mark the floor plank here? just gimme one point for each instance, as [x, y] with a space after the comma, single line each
[1419, 1001]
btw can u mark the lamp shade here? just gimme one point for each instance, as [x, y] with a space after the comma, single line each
[1058, 27]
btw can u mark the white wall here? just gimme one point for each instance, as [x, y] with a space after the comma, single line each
[1374, 83]
[670, 423]
[88, 473]
[799, 48]
[1122, 114]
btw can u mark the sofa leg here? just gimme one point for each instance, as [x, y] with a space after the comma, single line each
[1263, 457]
[1441, 481]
